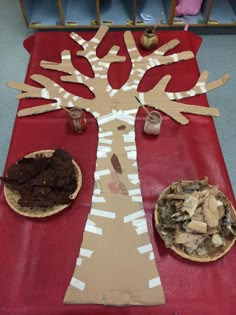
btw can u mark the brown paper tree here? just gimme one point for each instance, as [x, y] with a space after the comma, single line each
[116, 262]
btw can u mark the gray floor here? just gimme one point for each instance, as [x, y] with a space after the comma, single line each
[217, 55]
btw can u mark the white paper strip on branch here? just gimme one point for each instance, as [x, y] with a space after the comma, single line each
[134, 215]
[79, 261]
[154, 282]
[102, 213]
[145, 248]
[85, 252]
[77, 284]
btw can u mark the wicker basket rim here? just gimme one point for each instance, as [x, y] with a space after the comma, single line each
[182, 253]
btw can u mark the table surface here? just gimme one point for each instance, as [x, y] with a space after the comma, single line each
[37, 257]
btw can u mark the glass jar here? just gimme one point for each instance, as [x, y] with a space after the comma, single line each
[77, 120]
[152, 123]
[149, 39]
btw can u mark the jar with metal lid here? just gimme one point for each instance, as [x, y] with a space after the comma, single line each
[77, 120]
[152, 123]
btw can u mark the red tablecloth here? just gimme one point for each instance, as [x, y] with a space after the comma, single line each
[37, 257]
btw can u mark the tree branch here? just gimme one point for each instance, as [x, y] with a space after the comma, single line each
[166, 47]
[106, 95]
[50, 91]
[90, 47]
[28, 90]
[141, 64]
[36, 110]
[201, 87]
[164, 101]
[99, 66]
[65, 66]
[92, 44]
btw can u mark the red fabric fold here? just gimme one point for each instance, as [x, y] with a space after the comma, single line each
[37, 257]
[28, 43]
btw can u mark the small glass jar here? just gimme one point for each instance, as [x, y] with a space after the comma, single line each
[77, 120]
[152, 123]
[149, 39]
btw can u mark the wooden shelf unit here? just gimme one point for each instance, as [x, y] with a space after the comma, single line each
[51, 14]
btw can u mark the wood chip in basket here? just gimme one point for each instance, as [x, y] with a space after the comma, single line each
[196, 220]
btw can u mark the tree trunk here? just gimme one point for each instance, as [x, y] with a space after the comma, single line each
[116, 262]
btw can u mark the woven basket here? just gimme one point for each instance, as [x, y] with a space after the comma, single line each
[204, 258]
[12, 197]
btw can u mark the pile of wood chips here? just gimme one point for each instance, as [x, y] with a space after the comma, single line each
[196, 220]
